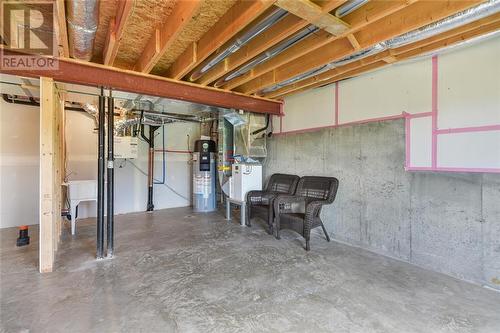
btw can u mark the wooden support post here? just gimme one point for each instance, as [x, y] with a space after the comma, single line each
[51, 172]
[46, 175]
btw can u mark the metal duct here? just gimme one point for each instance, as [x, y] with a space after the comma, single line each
[92, 110]
[467, 16]
[267, 22]
[83, 18]
[122, 124]
[269, 54]
[349, 7]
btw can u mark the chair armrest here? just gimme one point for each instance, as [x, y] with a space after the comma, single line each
[312, 206]
[289, 204]
[255, 197]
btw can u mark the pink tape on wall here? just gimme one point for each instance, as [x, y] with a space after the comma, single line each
[408, 117]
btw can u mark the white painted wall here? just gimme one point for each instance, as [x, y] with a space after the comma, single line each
[19, 164]
[130, 183]
[468, 90]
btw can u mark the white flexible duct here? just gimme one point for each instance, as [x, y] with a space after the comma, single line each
[83, 18]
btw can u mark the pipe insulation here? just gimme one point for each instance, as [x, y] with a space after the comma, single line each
[465, 17]
[82, 18]
[269, 54]
[263, 25]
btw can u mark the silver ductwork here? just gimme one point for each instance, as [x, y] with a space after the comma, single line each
[263, 25]
[269, 54]
[465, 17]
[83, 18]
[349, 7]
[92, 111]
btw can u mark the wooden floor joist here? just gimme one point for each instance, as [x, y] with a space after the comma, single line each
[285, 28]
[236, 19]
[166, 34]
[85, 73]
[457, 35]
[116, 30]
[409, 18]
[368, 14]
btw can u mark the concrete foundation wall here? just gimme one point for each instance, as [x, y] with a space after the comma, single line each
[446, 222]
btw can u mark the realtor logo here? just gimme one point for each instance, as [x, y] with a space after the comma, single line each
[28, 35]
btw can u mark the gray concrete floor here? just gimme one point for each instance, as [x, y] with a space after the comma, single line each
[179, 271]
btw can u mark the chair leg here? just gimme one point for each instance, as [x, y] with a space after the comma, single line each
[308, 247]
[249, 216]
[326, 233]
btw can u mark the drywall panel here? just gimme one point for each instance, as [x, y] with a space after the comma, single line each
[469, 86]
[469, 150]
[420, 142]
[19, 164]
[312, 108]
[387, 92]
[130, 179]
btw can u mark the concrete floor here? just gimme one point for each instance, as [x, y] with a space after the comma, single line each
[179, 271]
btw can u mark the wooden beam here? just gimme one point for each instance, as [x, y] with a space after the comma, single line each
[166, 34]
[62, 31]
[369, 13]
[233, 21]
[115, 30]
[410, 18]
[314, 14]
[285, 28]
[354, 42]
[91, 74]
[466, 32]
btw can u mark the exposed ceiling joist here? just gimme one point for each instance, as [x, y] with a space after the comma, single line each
[314, 14]
[463, 33]
[115, 31]
[275, 34]
[85, 73]
[369, 13]
[166, 33]
[62, 31]
[233, 21]
[285, 28]
[409, 18]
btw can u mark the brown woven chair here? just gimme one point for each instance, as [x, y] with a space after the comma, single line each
[260, 203]
[301, 212]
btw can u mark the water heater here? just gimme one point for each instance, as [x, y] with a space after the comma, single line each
[204, 171]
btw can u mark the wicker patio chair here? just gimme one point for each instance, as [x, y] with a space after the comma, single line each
[301, 212]
[260, 203]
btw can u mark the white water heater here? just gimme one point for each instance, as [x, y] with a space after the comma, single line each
[204, 176]
[246, 177]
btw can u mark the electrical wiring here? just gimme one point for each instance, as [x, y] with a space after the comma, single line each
[165, 184]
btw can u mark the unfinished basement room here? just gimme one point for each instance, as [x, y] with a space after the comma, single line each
[250, 166]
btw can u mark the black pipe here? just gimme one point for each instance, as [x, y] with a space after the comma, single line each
[111, 177]
[263, 128]
[31, 102]
[100, 177]
[151, 157]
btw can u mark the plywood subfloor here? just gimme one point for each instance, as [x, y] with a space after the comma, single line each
[145, 17]
[107, 10]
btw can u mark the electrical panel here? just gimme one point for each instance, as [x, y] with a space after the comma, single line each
[125, 146]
